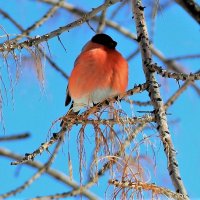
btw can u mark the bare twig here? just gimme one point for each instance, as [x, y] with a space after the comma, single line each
[55, 174]
[132, 55]
[15, 137]
[178, 92]
[174, 75]
[111, 122]
[52, 63]
[41, 21]
[6, 15]
[139, 103]
[36, 175]
[184, 57]
[119, 7]
[102, 22]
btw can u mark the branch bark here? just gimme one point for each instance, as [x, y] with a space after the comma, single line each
[191, 7]
[154, 94]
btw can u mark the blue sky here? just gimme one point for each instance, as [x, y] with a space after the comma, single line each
[34, 109]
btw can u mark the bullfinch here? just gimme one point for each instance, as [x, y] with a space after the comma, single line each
[100, 72]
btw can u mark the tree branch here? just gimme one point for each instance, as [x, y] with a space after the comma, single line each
[191, 7]
[55, 174]
[35, 176]
[156, 99]
[174, 75]
[147, 186]
[69, 121]
[15, 137]
[38, 39]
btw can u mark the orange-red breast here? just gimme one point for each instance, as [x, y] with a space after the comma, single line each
[99, 72]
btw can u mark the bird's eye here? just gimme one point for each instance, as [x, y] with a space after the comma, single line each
[112, 44]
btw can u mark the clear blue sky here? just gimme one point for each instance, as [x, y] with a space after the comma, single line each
[32, 109]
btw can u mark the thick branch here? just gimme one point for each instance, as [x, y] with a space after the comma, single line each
[156, 99]
[191, 7]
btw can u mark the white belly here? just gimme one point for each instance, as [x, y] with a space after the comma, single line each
[95, 97]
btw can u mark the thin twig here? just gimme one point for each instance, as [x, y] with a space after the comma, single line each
[15, 137]
[41, 21]
[55, 174]
[52, 63]
[7, 46]
[184, 57]
[174, 75]
[102, 22]
[43, 147]
[36, 175]
[147, 186]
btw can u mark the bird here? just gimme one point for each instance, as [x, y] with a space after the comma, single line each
[99, 72]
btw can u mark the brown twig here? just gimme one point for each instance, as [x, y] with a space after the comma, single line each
[139, 103]
[147, 186]
[178, 92]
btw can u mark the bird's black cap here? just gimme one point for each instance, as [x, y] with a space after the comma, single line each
[105, 40]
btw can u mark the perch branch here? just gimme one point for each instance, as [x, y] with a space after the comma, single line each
[69, 121]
